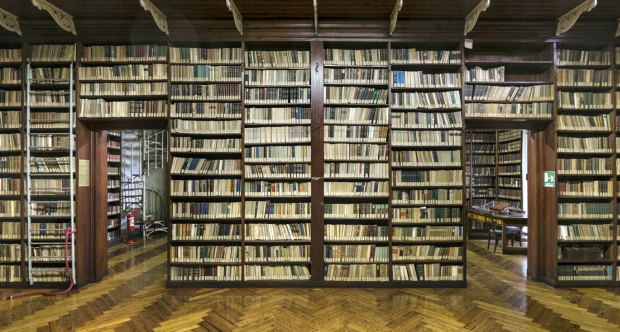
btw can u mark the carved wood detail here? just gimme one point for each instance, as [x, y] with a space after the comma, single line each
[62, 18]
[618, 30]
[9, 21]
[472, 17]
[394, 16]
[567, 21]
[158, 16]
[236, 15]
[316, 19]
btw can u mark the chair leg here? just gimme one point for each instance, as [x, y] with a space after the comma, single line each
[496, 240]
[512, 241]
[489, 242]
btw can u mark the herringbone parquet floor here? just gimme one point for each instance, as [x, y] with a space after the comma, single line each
[133, 297]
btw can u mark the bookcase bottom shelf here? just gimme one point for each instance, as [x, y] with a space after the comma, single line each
[317, 284]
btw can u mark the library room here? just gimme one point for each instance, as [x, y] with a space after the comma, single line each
[281, 165]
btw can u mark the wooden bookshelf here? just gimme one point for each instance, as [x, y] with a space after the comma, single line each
[115, 172]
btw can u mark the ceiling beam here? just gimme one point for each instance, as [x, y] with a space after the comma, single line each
[472, 18]
[63, 19]
[236, 15]
[394, 16]
[9, 21]
[316, 19]
[567, 21]
[158, 16]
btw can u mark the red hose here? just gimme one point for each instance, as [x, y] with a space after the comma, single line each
[128, 241]
[68, 232]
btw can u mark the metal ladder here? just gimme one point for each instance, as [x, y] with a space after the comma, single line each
[70, 175]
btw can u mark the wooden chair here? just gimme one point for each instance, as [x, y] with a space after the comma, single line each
[495, 229]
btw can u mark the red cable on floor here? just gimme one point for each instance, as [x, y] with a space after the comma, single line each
[68, 232]
[130, 241]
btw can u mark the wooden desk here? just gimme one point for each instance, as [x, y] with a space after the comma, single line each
[512, 219]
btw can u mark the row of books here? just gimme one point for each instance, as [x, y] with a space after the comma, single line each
[49, 208]
[10, 119]
[190, 144]
[427, 120]
[50, 165]
[585, 210]
[113, 144]
[368, 57]
[278, 171]
[427, 272]
[51, 140]
[123, 89]
[276, 189]
[356, 253]
[50, 75]
[509, 93]
[53, 53]
[205, 73]
[509, 158]
[477, 74]
[483, 182]
[428, 233]
[49, 275]
[529, 110]
[10, 273]
[362, 189]
[48, 120]
[356, 272]
[205, 166]
[585, 232]
[483, 192]
[354, 95]
[204, 273]
[583, 144]
[508, 135]
[124, 53]
[356, 233]
[412, 55]
[355, 133]
[481, 148]
[273, 115]
[426, 158]
[417, 79]
[113, 209]
[281, 134]
[280, 232]
[509, 182]
[296, 153]
[276, 77]
[179, 126]
[355, 75]
[114, 197]
[355, 151]
[269, 210]
[50, 186]
[355, 211]
[49, 253]
[203, 254]
[509, 147]
[427, 178]
[478, 137]
[205, 110]
[277, 96]
[509, 170]
[282, 272]
[584, 272]
[427, 100]
[9, 230]
[10, 75]
[124, 72]
[426, 138]
[426, 215]
[10, 98]
[583, 77]
[355, 115]
[583, 58]
[426, 252]
[10, 209]
[270, 253]
[193, 232]
[513, 194]
[356, 170]
[427, 196]
[205, 91]
[10, 252]
[114, 184]
[206, 187]
[584, 100]
[600, 122]
[136, 108]
[482, 159]
[594, 166]
[10, 55]
[483, 171]
[48, 230]
[205, 55]
[585, 188]
[275, 59]
[10, 186]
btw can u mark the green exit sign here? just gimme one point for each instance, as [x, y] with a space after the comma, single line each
[549, 179]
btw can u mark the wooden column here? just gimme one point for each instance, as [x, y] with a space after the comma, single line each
[316, 117]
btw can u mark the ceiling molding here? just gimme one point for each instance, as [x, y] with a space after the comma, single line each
[568, 20]
[472, 18]
[9, 21]
[394, 16]
[158, 16]
[63, 19]
[236, 15]
[316, 19]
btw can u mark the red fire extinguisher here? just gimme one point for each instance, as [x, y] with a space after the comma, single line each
[131, 221]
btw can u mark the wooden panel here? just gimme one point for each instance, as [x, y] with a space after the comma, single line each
[85, 253]
[99, 188]
[316, 122]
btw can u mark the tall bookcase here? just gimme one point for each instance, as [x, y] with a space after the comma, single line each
[114, 146]
[483, 158]
[510, 168]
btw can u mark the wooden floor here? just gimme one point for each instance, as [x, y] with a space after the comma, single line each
[134, 298]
